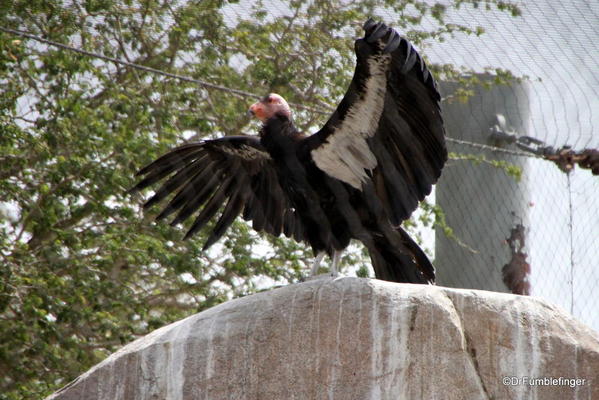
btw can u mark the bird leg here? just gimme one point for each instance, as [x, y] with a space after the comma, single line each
[335, 264]
[316, 264]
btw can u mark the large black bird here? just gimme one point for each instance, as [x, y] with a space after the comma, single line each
[358, 177]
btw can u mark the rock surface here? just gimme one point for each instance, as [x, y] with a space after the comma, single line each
[352, 338]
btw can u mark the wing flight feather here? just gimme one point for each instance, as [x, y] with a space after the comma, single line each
[388, 127]
[233, 174]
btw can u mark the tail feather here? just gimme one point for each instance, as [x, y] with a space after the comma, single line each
[397, 258]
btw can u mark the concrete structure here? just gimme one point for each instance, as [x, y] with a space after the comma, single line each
[481, 202]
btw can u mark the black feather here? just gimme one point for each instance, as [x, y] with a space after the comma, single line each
[184, 174]
[392, 42]
[231, 211]
[164, 166]
[285, 182]
[211, 207]
[192, 195]
[412, 58]
[288, 223]
[368, 25]
[379, 31]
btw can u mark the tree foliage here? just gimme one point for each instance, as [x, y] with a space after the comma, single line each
[83, 271]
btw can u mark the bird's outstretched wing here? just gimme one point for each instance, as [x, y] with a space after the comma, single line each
[235, 172]
[388, 130]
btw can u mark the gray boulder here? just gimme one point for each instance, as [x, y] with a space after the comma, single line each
[352, 338]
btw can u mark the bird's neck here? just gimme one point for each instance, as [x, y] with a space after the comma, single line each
[279, 128]
[279, 125]
[279, 134]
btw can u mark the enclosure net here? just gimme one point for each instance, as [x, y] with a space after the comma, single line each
[518, 195]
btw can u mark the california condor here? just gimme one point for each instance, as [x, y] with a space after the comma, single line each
[358, 177]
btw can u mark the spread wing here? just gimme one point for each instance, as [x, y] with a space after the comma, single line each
[388, 128]
[233, 173]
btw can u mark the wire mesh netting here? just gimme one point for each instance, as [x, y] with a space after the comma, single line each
[90, 91]
[539, 234]
[533, 229]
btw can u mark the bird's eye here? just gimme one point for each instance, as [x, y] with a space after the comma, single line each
[271, 100]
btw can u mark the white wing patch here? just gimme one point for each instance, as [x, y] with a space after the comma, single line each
[345, 154]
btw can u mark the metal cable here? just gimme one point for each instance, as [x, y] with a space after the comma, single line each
[146, 69]
[493, 148]
[224, 88]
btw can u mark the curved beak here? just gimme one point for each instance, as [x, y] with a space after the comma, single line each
[254, 108]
